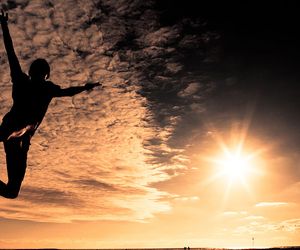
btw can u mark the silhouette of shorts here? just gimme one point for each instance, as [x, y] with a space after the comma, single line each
[19, 133]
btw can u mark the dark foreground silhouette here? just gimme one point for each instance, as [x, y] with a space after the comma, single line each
[31, 95]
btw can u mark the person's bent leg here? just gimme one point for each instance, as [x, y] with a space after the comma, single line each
[10, 190]
[16, 157]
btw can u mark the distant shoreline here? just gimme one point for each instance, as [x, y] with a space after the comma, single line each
[191, 248]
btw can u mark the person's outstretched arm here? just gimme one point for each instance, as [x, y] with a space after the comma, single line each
[15, 68]
[71, 91]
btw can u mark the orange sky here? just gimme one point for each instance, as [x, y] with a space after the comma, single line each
[138, 163]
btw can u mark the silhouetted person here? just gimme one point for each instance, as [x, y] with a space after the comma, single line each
[31, 97]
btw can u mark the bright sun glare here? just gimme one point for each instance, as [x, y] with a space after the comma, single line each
[234, 165]
[235, 162]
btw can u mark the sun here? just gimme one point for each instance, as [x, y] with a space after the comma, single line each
[234, 164]
[235, 168]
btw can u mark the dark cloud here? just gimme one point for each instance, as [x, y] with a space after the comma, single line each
[50, 197]
[92, 183]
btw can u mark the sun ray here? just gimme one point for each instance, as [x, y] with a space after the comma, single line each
[235, 165]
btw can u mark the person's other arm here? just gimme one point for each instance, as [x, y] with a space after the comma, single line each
[71, 91]
[15, 68]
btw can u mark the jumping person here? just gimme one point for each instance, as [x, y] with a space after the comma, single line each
[31, 95]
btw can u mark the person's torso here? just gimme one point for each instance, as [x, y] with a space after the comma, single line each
[30, 101]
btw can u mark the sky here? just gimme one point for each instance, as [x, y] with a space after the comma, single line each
[193, 140]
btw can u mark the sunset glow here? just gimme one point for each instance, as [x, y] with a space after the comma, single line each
[192, 140]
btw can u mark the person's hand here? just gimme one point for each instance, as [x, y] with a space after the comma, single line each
[3, 17]
[91, 85]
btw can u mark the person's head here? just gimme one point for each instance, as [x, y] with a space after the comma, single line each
[39, 69]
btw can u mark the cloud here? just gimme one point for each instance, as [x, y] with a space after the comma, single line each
[191, 89]
[49, 196]
[253, 228]
[254, 217]
[290, 225]
[96, 155]
[271, 204]
[90, 182]
[187, 198]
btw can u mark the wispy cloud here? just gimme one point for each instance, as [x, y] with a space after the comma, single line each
[271, 204]
[187, 198]
[254, 217]
[268, 226]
